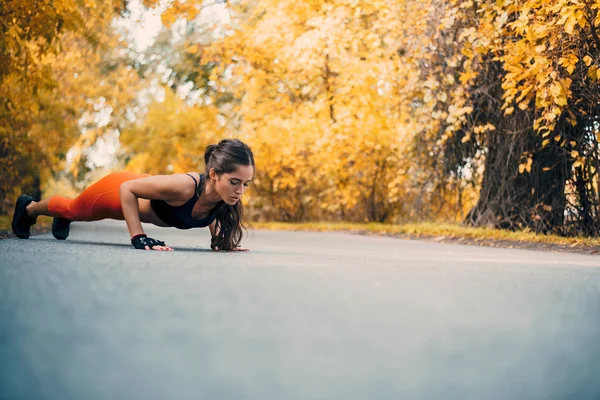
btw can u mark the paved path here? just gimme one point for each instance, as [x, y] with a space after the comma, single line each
[302, 316]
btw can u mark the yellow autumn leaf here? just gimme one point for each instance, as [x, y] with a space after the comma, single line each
[561, 100]
[593, 73]
[466, 77]
[570, 24]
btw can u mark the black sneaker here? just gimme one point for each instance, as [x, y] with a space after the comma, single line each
[61, 228]
[21, 221]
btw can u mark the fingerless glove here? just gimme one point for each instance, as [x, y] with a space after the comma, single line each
[142, 240]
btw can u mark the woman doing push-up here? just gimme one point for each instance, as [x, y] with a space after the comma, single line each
[183, 201]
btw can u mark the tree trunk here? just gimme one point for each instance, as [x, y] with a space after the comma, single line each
[510, 199]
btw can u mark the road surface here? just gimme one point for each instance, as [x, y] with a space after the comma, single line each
[302, 316]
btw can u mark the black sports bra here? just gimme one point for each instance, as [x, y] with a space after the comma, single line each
[181, 216]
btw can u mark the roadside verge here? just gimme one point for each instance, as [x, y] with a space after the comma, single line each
[449, 233]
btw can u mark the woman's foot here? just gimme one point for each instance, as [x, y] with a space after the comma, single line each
[60, 228]
[21, 222]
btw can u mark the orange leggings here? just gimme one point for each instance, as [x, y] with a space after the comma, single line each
[99, 201]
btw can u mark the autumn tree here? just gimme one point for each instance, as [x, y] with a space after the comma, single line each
[52, 79]
[525, 107]
[362, 110]
[368, 110]
[318, 88]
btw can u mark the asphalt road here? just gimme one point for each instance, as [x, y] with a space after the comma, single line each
[301, 316]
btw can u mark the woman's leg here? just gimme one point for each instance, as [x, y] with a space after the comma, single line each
[38, 208]
[99, 201]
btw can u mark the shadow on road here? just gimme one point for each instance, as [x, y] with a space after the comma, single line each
[108, 244]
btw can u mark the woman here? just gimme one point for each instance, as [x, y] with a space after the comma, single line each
[182, 201]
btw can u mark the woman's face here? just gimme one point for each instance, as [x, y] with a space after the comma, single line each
[231, 186]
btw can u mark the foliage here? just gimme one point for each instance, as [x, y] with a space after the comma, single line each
[51, 77]
[172, 137]
[361, 110]
[322, 92]
[526, 105]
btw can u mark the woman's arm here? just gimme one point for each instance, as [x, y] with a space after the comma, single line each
[214, 230]
[131, 210]
[159, 187]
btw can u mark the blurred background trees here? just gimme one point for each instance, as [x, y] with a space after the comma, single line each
[62, 85]
[357, 110]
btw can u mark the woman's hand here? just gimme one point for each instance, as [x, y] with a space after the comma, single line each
[160, 248]
[240, 249]
[143, 242]
[235, 249]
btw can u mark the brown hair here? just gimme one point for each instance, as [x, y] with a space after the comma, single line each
[225, 157]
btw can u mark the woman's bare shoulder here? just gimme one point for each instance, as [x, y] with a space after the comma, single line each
[163, 187]
[194, 174]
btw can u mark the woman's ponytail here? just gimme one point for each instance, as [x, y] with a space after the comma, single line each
[209, 150]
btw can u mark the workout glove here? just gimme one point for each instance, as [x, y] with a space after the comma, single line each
[141, 241]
